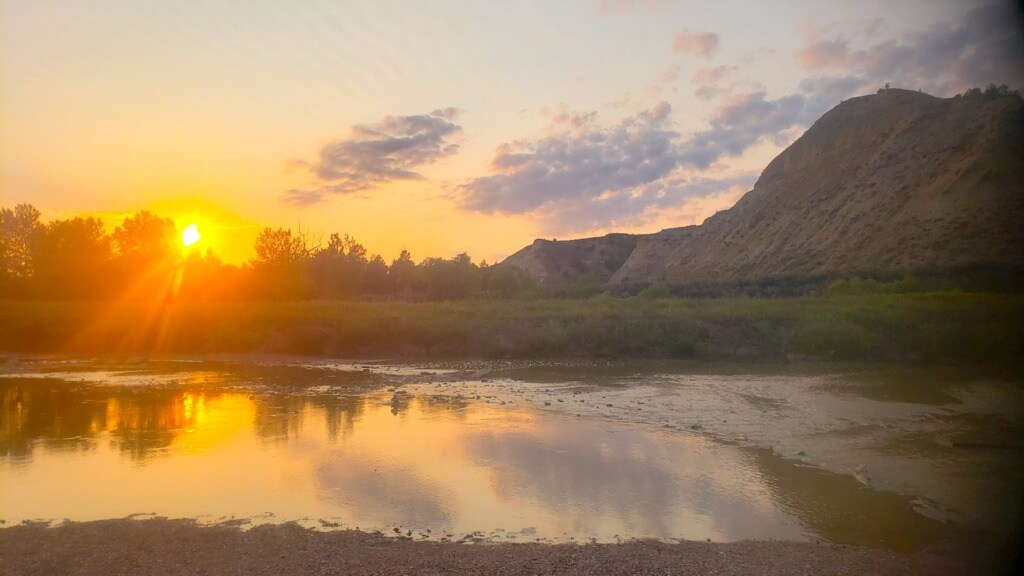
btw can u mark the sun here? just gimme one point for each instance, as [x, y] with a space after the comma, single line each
[190, 235]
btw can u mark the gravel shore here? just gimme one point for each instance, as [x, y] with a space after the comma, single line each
[177, 547]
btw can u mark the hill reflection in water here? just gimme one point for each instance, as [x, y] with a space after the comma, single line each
[198, 447]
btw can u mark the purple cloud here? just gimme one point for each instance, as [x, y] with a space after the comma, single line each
[581, 175]
[374, 154]
[985, 47]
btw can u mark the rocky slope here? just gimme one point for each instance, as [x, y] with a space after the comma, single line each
[596, 259]
[553, 261]
[898, 181]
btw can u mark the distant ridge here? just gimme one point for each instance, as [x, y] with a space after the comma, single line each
[894, 182]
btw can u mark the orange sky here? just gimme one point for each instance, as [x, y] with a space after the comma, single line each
[440, 127]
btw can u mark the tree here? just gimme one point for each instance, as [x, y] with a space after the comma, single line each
[18, 229]
[205, 277]
[338, 269]
[72, 258]
[375, 280]
[279, 268]
[402, 274]
[454, 279]
[506, 281]
[994, 91]
[278, 248]
[145, 238]
[354, 251]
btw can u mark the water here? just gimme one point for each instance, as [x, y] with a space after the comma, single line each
[885, 457]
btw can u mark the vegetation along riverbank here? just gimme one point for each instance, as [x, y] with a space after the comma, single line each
[949, 327]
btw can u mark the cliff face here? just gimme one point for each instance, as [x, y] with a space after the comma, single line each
[897, 181]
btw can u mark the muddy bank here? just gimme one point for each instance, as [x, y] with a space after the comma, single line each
[168, 547]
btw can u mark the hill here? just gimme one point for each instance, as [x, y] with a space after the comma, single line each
[894, 182]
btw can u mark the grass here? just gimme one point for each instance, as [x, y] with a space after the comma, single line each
[946, 327]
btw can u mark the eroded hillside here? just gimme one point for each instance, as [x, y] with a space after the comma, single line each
[898, 181]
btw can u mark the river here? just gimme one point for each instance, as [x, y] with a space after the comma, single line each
[895, 457]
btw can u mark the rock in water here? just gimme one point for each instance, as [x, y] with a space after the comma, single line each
[861, 475]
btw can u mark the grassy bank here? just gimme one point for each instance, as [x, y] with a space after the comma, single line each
[944, 327]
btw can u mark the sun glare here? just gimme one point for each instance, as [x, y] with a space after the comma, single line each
[190, 235]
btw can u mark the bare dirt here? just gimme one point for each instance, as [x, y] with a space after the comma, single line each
[173, 547]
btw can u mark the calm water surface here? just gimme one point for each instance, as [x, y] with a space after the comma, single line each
[519, 453]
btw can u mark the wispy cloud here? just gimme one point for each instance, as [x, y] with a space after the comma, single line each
[709, 75]
[710, 82]
[702, 44]
[614, 6]
[374, 154]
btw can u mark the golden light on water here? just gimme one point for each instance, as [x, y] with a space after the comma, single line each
[196, 450]
[190, 235]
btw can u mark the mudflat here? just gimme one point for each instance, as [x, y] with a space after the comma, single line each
[172, 547]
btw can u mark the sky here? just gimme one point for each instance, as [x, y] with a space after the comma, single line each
[447, 126]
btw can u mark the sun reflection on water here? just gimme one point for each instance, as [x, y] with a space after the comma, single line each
[425, 462]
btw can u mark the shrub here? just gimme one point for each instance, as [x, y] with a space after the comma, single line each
[656, 290]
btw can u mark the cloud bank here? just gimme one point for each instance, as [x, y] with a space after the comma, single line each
[986, 46]
[581, 175]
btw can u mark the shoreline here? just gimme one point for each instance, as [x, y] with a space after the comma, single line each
[38, 549]
[171, 547]
[509, 384]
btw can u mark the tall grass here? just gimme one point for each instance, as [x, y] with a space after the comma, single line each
[943, 327]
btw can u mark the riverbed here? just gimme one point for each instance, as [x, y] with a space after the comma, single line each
[896, 458]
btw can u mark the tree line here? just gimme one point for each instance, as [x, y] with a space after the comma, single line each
[143, 257]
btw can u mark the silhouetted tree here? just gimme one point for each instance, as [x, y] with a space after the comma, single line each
[454, 279]
[18, 228]
[143, 258]
[1000, 91]
[402, 274]
[375, 280]
[146, 237]
[278, 267]
[338, 269]
[508, 282]
[278, 247]
[147, 251]
[72, 258]
[205, 277]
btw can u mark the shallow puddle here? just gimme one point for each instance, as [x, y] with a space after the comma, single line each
[418, 452]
